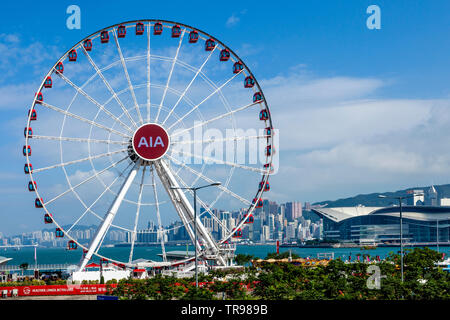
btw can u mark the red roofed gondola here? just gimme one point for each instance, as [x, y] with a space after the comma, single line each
[48, 82]
[32, 186]
[249, 82]
[224, 55]
[238, 67]
[237, 233]
[269, 150]
[48, 218]
[59, 233]
[26, 150]
[257, 97]
[268, 166]
[263, 115]
[39, 97]
[28, 168]
[249, 220]
[29, 131]
[176, 31]
[210, 44]
[33, 115]
[265, 186]
[72, 55]
[71, 245]
[157, 28]
[87, 44]
[104, 36]
[259, 203]
[268, 131]
[38, 203]
[59, 67]
[193, 36]
[121, 31]
[139, 28]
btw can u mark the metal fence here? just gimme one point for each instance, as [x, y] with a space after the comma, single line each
[38, 267]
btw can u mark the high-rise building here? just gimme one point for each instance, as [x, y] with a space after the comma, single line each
[431, 199]
[293, 210]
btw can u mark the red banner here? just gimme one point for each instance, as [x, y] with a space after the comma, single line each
[55, 290]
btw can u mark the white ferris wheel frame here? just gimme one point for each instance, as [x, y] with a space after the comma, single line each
[206, 246]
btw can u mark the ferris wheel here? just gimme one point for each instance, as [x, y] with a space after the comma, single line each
[132, 117]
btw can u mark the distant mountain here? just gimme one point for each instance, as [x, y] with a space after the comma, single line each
[372, 199]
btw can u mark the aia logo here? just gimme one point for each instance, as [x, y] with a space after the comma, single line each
[150, 142]
[143, 142]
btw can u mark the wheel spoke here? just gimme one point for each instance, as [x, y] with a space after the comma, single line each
[189, 85]
[96, 200]
[136, 220]
[108, 86]
[160, 226]
[218, 161]
[148, 73]
[204, 100]
[72, 115]
[200, 124]
[79, 160]
[84, 181]
[124, 65]
[202, 176]
[170, 76]
[79, 140]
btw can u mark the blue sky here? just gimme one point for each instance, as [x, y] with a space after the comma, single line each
[359, 110]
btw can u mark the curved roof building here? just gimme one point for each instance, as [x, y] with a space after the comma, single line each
[421, 224]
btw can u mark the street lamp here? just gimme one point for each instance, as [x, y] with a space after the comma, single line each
[194, 189]
[400, 198]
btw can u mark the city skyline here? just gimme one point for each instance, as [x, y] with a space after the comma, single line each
[368, 120]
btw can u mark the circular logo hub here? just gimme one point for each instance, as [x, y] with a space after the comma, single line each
[150, 141]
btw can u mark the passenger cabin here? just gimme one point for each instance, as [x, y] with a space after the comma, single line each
[139, 28]
[237, 233]
[32, 114]
[71, 245]
[259, 202]
[39, 98]
[263, 115]
[238, 67]
[224, 55]
[257, 97]
[250, 219]
[157, 28]
[48, 218]
[48, 82]
[32, 186]
[26, 150]
[268, 166]
[104, 36]
[28, 131]
[38, 203]
[262, 186]
[59, 67]
[121, 31]
[269, 150]
[193, 36]
[268, 131]
[28, 168]
[176, 31]
[72, 55]
[249, 82]
[210, 44]
[87, 44]
[59, 233]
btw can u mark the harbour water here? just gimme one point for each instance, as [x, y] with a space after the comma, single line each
[63, 256]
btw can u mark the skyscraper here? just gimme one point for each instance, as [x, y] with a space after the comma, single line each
[293, 210]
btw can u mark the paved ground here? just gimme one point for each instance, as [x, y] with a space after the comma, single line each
[74, 297]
